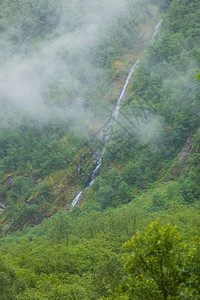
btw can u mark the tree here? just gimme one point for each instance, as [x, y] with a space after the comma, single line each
[124, 194]
[60, 227]
[160, 265]
[105, 196]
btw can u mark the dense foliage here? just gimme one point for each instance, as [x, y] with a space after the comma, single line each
[161, 265]
[43, 148]
[80, 257]
[150, 169]
[160, 114]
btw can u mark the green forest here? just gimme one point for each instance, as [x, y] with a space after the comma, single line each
[135, 233]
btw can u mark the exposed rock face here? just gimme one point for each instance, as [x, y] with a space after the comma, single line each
[2, 207]
[186, 150]
[9, 181]
[181, 161]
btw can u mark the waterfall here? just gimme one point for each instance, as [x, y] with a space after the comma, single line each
[116, 110]
[94, 173]
[76, 199]
[157, 28]
[114, 116]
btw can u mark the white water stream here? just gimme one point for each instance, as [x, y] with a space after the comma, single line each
[114, 116]
[116, 110]
[157, 28]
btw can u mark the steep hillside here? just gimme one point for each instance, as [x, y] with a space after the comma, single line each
[44, 165]
[150, 153]
[160, 114]
[49, 145]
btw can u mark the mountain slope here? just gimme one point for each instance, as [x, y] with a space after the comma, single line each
[48, 144]
[150, 170]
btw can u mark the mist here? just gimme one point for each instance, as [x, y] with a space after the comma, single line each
[50, 78]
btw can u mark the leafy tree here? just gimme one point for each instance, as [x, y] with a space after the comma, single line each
[190, 190]
[60, 227]
[124, 194]
[106, 195]
[10, 283]
[160, 265]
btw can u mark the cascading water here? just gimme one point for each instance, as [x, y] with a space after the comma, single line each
[114, 116]
[94, 173]
[157, 28]
[76, 199]
[116, 110]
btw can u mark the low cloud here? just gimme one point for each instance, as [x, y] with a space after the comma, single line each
[49, 79]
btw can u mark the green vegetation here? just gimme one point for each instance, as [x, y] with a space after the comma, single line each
[80, 257]
[43, 149]
[160, 265]
[161, 114]
[104, 248]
